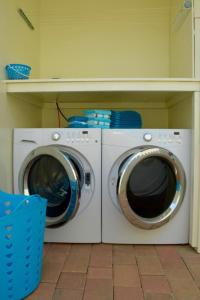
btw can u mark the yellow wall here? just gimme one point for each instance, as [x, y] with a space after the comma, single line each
[181, 41]
[6, 159]
[14, 112]
[180, 113]
[107, 38]
[19, 44]
[97, 38]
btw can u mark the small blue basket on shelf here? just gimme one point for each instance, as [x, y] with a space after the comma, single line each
[17, 71]
[22, 224]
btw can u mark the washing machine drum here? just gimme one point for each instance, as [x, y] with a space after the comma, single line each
[151, 186]
[56, 176]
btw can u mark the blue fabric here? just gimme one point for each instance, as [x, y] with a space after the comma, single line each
[73, 201]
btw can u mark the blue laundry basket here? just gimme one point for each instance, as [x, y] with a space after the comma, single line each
[22, 223]
[18, 71]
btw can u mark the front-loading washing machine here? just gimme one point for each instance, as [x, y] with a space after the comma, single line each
[145, 186]
[63, 166]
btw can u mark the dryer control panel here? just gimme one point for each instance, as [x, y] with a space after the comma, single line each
[166, 138]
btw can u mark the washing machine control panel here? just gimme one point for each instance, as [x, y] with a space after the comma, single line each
[74, 137]
[166, 138]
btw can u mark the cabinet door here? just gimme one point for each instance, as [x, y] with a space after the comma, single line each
[197, 48]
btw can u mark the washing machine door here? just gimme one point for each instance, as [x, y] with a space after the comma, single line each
[151, 186]
[51, 173]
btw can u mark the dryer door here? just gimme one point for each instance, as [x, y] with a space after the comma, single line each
[51, 173]
[151, 186]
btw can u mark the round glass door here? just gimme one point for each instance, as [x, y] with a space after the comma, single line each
[151, 187]
[53, 175]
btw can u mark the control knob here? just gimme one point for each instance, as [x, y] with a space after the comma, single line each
[55, 136]
[147, 137]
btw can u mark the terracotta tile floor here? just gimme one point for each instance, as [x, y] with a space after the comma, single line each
[119, 272]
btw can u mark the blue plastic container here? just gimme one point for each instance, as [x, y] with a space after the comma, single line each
[22, 223]
[17, 71]
[126, 119]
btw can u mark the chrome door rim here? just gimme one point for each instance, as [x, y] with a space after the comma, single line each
[139, 155]
[70, 171]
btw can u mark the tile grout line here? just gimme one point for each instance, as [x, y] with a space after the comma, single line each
[173, 295]
[113, 289]
[87, 270]
[56, 284]
[139, 273]
[113, 272]
[193, 278]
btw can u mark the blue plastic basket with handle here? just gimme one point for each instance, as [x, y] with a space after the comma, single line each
[22, 223]
[17, 71]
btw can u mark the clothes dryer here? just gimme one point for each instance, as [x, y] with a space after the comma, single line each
[63, 166]
[145, 186]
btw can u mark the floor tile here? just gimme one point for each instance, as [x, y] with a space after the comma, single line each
[193, 265]
[46, 248]
[155, 284]
[60, 248]
[57, 253]
[186, 250]
[99, 273]
[176, 270]
[185, 289]
[102, 248]
[98, 289]
[101, 261]
[45, 291]
[145, 250]
[123, 255]
[72, 281]
[149, 265]
[167, 253]
[126, 276]
[101, 256]
[76, 262]
[125, 272]
[64, 294]
[123, 248]
[81, 248]
[51, 271]
[191, 260]
[128, 293]
[150, 296]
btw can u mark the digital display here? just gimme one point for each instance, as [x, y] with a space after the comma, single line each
[176, 133]
[85, 132]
